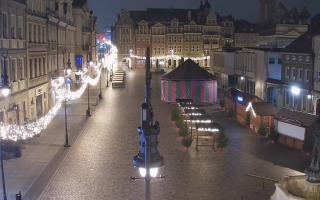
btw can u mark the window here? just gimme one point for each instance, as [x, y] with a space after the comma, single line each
[272, 61]
[20, 69]
[296, 100]
[30, 32]
[20, 28]
[287, 57]
[307, 75]
[13, 70]
[31, 68]
[294, 58]
[300, 74]
[304, 102]
[279, 61]
[307, 58]
[13, 26]
[286, 96]
[287, 72]
[293, 73]
[5, 25]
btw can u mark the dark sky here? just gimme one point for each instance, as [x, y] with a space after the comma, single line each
[107, 10]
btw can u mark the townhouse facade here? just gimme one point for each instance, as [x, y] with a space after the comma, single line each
[171, 34]
[13, 60]
[37, 42]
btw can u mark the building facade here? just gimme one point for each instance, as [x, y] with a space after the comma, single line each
[171, 34]
[316, 83]
[38, 38]
[13, 61]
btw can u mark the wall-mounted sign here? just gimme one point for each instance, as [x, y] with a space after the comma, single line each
[79, 62]
[39, 91]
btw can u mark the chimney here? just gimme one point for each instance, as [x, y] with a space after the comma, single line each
[189, 15]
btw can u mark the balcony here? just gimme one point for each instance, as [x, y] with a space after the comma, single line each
[12, 44]
[22, 85]
[38, 81]
[14, 87]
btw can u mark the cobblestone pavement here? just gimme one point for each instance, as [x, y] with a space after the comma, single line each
[99, 164]
[41, 155]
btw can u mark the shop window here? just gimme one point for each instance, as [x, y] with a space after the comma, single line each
[272, 61]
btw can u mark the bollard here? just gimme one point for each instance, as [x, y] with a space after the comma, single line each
[19, 196]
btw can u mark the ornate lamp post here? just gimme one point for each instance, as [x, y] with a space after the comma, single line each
[5, 91]
[148, 159]
[88, 113]
[67, 73]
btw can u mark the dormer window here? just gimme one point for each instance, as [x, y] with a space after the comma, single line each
[65, 8]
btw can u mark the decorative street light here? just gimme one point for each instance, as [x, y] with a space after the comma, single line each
[295, 90]
[5, 90]
[88, 113]
[148, 159]
[100, 90]
[67, 74]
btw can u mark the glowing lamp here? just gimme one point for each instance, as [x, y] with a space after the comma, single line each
[91, 63]
[69, 71]
[240, 99]
[153, 172]
[242, 78]
[5, 91]
[295, 90]
[309, 96]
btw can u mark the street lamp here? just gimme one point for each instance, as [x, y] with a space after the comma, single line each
[148, 160]
[88, 112]
[295, 90]
[5, 90]
[100, 91]
[67, 74]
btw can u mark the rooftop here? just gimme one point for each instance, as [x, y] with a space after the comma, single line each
[188, 70]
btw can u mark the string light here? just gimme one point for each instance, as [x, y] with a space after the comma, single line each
[23, 132]
[15, 132]
[176, 57]
[250, 107]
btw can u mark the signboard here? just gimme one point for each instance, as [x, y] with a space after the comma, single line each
[290, 130]
[39, 91]
[79, 61]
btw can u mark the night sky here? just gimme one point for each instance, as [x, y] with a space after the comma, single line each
[107, 10]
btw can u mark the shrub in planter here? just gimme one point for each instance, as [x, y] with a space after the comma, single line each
[248, 119]
[175, 114]
[222, 140]
[179, 122]
[263, 129]
[186, 142]
[184, 130]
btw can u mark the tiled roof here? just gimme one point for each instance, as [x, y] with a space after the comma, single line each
[297, 118]
[264, 109]
[79, 3]
[162, 15]
[188, 70]
[303, 44]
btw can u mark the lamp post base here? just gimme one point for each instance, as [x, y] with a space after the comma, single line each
[88, 113]
[67, 145]
[100, 96]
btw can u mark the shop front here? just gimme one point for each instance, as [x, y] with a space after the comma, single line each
[295, 128]
[38, 102]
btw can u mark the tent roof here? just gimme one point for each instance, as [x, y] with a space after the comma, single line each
[189, 70]
[295, 117]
